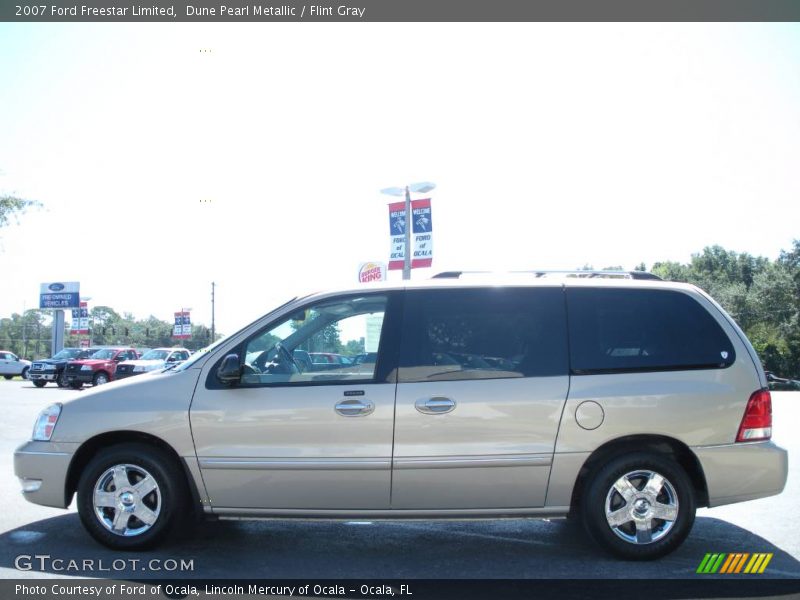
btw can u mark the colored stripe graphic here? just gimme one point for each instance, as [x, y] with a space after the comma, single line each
[723, 563]
[711, 563]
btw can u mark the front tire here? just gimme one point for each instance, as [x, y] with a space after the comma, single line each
[24, 373]
[40, 384]
[8, 376]
[131, 496]
[639, 506]
[100, 379]
[61, 381]
[76, 385]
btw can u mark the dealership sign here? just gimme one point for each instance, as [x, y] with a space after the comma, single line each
[183, 325]
[421, 234]
[80, 320]
[371, 271]
[60, 294]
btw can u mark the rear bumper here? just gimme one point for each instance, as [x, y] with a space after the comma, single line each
[47, 463]
[744, 471]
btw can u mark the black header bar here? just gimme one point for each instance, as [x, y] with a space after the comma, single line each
[360, 11]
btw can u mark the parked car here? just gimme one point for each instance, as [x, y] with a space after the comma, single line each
[782, 384]
[54, 369]
[625, 404]
[11, 365]
[98, 368]
[154, 359]
[331, 360]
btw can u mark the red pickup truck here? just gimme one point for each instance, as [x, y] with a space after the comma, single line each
[99, 368]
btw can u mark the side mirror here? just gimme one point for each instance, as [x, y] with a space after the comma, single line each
[230, 371]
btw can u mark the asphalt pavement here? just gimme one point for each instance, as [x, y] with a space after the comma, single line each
[281, 549]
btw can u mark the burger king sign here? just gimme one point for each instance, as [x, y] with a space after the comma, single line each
[371, 271]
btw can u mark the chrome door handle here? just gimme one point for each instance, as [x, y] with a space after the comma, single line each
[354, 408]
[437, 405]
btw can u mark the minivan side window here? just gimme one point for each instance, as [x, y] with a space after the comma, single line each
[456, 334]
[624, 330]
[318, 344]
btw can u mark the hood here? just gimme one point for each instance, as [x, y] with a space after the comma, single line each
[157, 405]
[50, 361]
[93, 362]
[156, 362]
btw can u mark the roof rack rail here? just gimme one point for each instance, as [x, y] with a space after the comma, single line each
[588, 274]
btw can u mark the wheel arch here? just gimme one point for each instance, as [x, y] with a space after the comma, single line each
[658, 444]
[92, 446]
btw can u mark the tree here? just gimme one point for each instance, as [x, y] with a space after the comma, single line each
[11, 206]
[354, 347]
[762, 296]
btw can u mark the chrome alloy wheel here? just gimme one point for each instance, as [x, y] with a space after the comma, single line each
[641, 507]
[127, 500]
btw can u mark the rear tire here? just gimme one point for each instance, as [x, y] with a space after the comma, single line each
[40, 384]
[112, 514]
[8, 376]
[639, 506]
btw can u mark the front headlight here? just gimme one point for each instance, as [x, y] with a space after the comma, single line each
[139, 369]
[46, 423]
[86, 368]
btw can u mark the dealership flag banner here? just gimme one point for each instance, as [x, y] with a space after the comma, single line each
[80, 320]
[183, 325]
[421, 234]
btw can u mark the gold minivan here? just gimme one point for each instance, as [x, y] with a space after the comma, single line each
[624, 403]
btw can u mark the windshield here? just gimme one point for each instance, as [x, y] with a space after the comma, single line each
[104, 354]
[197, 355]
[155, 355]
[187, 364]
[67, 353]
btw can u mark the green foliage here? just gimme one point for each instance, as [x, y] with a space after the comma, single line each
[762, 295]
[29, 335]
[11, 206]
[354, 347]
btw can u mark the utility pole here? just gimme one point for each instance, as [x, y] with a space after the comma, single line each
[213, 330]
[409, 224]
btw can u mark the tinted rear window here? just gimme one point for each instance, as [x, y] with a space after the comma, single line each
[483, 334]
[612, 330]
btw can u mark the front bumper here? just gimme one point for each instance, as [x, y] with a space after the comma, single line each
[743, 471]
[124, 374]
[87, 377]
[48, 463]
[42, 376]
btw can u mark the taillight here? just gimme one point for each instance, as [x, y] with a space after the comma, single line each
[757, 421]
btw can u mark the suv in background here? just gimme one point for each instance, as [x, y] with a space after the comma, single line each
[53, 370]
[152, 360]
[11, 364]
[98, 368]
[624, 403]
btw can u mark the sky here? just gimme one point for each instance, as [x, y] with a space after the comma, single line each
[168, 156]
